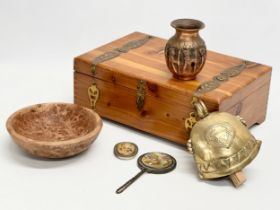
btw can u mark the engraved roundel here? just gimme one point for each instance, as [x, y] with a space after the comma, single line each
[220, 135]
[125, 150]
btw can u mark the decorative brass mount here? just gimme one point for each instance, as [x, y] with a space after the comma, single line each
[93, 93]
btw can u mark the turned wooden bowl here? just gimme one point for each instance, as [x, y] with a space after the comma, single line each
[54, 130]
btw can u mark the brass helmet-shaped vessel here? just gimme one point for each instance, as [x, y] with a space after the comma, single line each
[222, 145]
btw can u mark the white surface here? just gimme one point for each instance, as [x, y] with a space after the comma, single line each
[38, 40]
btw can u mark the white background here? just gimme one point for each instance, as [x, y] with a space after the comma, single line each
[38, 40]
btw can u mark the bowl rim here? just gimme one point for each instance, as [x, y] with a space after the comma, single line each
[92, 133]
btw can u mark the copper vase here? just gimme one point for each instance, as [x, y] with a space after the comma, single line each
[185, 52]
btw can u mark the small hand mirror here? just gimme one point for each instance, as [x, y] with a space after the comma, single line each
[152, 162]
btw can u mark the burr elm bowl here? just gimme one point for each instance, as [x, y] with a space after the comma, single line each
[54, 130]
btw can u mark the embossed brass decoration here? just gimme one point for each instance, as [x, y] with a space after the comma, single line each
[221, 143]
[220, 134]
[140, 94]
[185, 52]
[222, 77]
[93, 94]
[118, 51]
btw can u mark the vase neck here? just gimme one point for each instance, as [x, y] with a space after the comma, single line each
[186, 33]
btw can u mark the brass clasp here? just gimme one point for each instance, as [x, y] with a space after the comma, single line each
[140, 94]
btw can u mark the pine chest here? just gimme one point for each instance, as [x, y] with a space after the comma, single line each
[127, 81]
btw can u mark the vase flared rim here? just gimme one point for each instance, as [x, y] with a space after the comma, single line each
[187, 24]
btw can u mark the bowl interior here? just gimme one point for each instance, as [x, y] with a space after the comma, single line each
[54, 122]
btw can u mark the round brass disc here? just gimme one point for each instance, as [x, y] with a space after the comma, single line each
[156, 162]
[125, 150]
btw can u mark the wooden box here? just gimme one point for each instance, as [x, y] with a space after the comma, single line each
[136, 88]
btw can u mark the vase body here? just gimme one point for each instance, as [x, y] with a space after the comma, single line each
[185, 52]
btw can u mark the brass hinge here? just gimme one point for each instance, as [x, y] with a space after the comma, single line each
[140, 94]
[93, 94]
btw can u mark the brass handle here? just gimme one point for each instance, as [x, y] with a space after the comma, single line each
[199, 107]
[129, 182]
